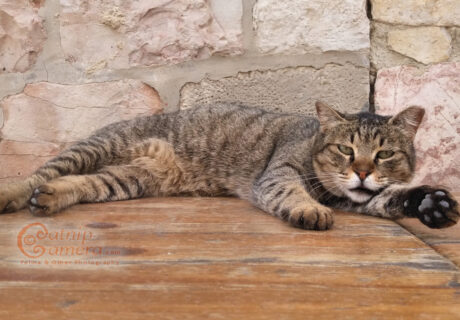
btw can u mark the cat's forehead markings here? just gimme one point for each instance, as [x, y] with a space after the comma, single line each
[363, 136]
[378, 137]
[359, 132]
[376, 133]
[356, 137]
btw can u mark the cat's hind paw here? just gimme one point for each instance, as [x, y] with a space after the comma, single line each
[13, 197]
[434, 207]
[44, 201]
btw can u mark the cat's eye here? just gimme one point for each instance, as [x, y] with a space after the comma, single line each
[345, 150]
[385, 154]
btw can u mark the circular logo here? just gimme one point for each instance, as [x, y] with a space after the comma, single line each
[28, 240]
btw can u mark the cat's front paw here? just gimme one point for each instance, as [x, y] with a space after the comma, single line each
[311, 217]
[434, 207]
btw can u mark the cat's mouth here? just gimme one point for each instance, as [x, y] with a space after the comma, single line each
[364, 190]
[360, 194]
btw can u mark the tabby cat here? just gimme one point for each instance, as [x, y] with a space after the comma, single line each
[294, 167]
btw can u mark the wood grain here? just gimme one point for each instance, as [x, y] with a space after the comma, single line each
[221, 258]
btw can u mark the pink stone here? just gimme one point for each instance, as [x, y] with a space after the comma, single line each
[21, 35]
[100, 34]
[19, 159]
[437, 143]
[46, 117]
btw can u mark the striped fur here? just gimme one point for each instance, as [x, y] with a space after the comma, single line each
[288, 165]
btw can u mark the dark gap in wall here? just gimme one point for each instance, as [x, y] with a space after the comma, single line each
[372, 74]
[372, 78]
[372, 71]
[369, 9]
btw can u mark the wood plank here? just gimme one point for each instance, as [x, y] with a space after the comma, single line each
[195, 258]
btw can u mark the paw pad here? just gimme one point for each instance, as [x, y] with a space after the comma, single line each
[444, 203]
[426, 203]
[437, 214]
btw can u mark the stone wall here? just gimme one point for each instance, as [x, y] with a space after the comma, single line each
[415, 60]
[70, 66]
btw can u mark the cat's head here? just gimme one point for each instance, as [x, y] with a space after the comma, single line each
[357, 155]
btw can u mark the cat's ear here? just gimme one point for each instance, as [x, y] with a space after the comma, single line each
[327, 116]
[409, 120]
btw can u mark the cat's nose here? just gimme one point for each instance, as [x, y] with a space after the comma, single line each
[362, 174]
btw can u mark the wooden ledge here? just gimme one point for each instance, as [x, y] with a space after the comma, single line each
[195, 258]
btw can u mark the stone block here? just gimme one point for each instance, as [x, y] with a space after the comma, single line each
[20, 159]
[437, 89]
[293, 89]
[417, 12]
[104, 34]
[39, 122]
[314, 26]
[424, 44]
[21, 35]
[411, 46]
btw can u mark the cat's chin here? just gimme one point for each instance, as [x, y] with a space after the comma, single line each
[357, 195]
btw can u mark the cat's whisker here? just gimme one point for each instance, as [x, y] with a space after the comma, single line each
[331, 193]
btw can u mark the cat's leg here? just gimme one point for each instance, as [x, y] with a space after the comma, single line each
[434, 207]
[281, 193]
[155, 171]
[14, 196]
[83, 157]
[111, 184]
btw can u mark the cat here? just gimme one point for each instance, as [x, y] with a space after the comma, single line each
[298, 168]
